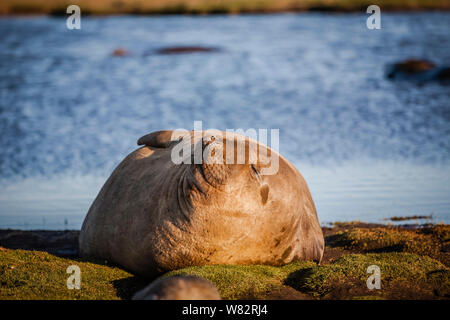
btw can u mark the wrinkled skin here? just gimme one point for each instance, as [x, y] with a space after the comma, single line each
[153, 215]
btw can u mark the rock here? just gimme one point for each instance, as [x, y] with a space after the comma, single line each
[61, 243]
[184, 50]
[179, 288]
[417, 70]
[120, 52]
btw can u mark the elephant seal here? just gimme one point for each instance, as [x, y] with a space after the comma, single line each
[179, 288]
[155, 214]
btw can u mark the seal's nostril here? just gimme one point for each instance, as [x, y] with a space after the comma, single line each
[255, 171]
[264, 191]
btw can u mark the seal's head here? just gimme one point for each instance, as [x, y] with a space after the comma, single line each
[179, 288]
[231, 162]
[219, 159]
[241, 196]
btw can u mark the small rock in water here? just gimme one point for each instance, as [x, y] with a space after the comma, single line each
[183, 50]
[417, 70]
[120, 52]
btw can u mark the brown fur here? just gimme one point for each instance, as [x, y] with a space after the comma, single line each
[179, 288]
[152, 215]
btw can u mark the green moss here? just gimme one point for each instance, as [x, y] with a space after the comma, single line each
[403, 275]
[39, 275]
[405, 257]
[239, 282]
[425, 241]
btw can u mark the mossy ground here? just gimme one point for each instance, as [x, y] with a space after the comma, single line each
[249, 282]
[39, 275]
[413, 264]
[403, 276]
[432, 241]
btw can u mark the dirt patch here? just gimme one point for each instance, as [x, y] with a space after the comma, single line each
[331, 254]
[60, 243]
[286, 293]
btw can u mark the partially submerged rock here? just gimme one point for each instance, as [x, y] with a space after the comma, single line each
[179, 288]
[185, 50]
[408, 218]
[417, 70]
[120, 52]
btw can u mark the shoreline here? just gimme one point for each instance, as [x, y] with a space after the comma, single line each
[199, 15]
[64, 242]
[206, 7]
[414, 259]
[213, 14]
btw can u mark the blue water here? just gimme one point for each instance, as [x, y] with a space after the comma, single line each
[369, 148]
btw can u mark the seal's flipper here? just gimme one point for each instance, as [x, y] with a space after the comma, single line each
[161, 139]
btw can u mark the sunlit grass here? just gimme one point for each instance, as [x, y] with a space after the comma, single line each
[39, 275]
[413, 265]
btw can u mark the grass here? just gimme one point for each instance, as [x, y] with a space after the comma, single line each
[39, 275]
[424, 241]
[209, 6]
[403, 276]
[243, 282]
[413, 264]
